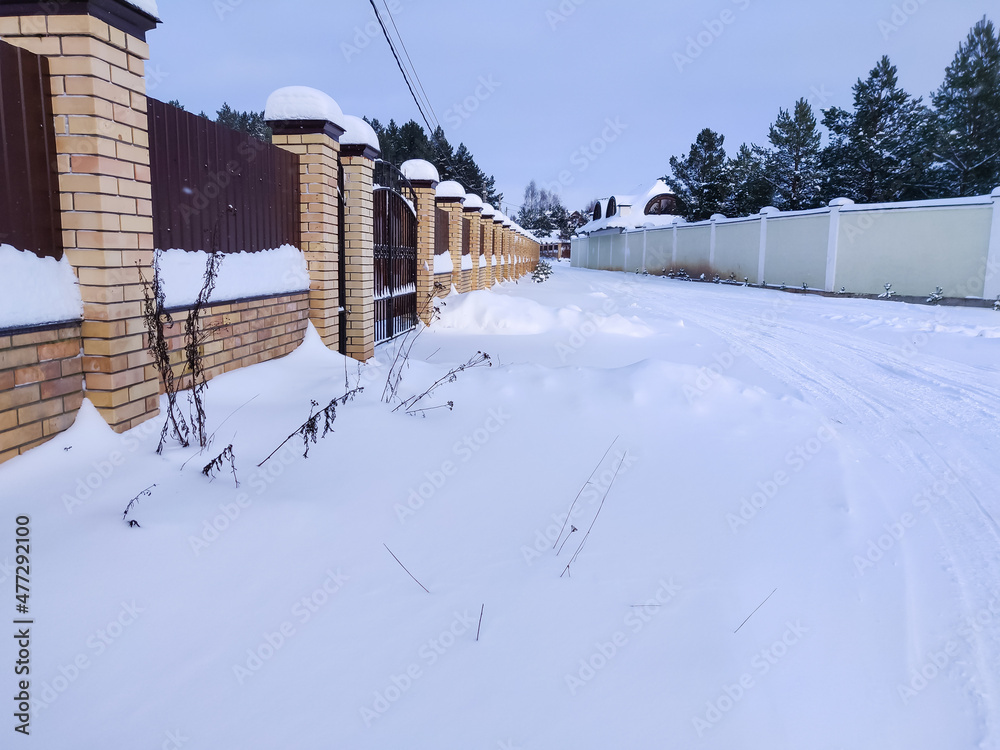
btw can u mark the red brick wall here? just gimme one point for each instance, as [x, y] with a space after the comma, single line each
[41, 385]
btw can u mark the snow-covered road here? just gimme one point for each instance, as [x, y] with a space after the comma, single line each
[800, 548]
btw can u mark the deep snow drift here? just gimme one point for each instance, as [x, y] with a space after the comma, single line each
[800, 548]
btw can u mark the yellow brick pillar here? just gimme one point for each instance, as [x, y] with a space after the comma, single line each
[359, 244]
[487, 226]
[424, 178]
[473, 211]
[315, 137]
[97, 67]
[450, 197]
[498, 247]
[505, 272]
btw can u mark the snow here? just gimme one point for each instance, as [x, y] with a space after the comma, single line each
[35, 291]
[798, 551]
[303, 103]
[282, 270]
[450, 189]
[443, 263]
[418, 169]
[482, 261]
[146, 6]
[466, 262]
[473, 201]
[358, 133]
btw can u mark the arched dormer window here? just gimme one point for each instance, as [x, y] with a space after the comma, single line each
[597, 211]
[664, 204]
[612, 206]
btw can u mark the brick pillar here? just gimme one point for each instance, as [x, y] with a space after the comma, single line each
[486, 227]
[318, 146]
[426, 215]
[505, 231]
[498, 248]
[359, 242]
[473, 214]
[454, 208]
[99, 106]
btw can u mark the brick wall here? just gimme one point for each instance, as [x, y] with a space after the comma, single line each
[41, 385]
[242, 333]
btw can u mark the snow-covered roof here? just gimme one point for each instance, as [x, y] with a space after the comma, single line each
[450, 189]
[633, 219]
[420, 170]
[357, 132]
[473, 201]
[489, 211]
[303, 103]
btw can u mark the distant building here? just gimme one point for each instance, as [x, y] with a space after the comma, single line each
[553, 246]
[633, 211]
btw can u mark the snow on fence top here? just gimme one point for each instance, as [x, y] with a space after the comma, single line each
[488, 210]
[473, 201]
[358, 133]
[450, 189]
[35, 291]
[303, 103]
[241, 275]
[146, 6]
[420, 170]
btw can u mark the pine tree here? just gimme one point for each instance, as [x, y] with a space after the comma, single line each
[880, 152]
[795, 165]
[967, 116]
[701, 180]
[245, 122]
[752, 186]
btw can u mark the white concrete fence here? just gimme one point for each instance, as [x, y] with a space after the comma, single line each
[916, 246]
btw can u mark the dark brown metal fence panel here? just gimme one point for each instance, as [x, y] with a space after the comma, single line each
[466, 236]
[395, 254]
[441, 231]
[29, 182]
[217, 188]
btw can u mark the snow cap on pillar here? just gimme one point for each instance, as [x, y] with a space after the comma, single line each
[418, 170]
[841, 202]
[769, 211]
[473, 202]
[489, 211]
[357, 132]
[450, 190]
[294, 103]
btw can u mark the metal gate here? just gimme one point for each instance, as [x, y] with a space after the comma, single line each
[395, 224]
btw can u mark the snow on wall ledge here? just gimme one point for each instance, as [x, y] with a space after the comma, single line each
[36, 291]
[241, 275]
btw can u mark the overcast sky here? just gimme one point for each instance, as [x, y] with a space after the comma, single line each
[590, 97]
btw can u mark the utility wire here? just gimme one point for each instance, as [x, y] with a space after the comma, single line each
[399, 64]
[413, 68]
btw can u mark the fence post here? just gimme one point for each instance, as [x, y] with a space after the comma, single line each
[357, 156]
[317, 142]
[711, 242]
[673, 253]
[424, 178]
[496, 269]
[833, 244]
[472, 210]
[450, 197]
[488, 224]
[991, 287]
[99, 105]
[762, 256]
